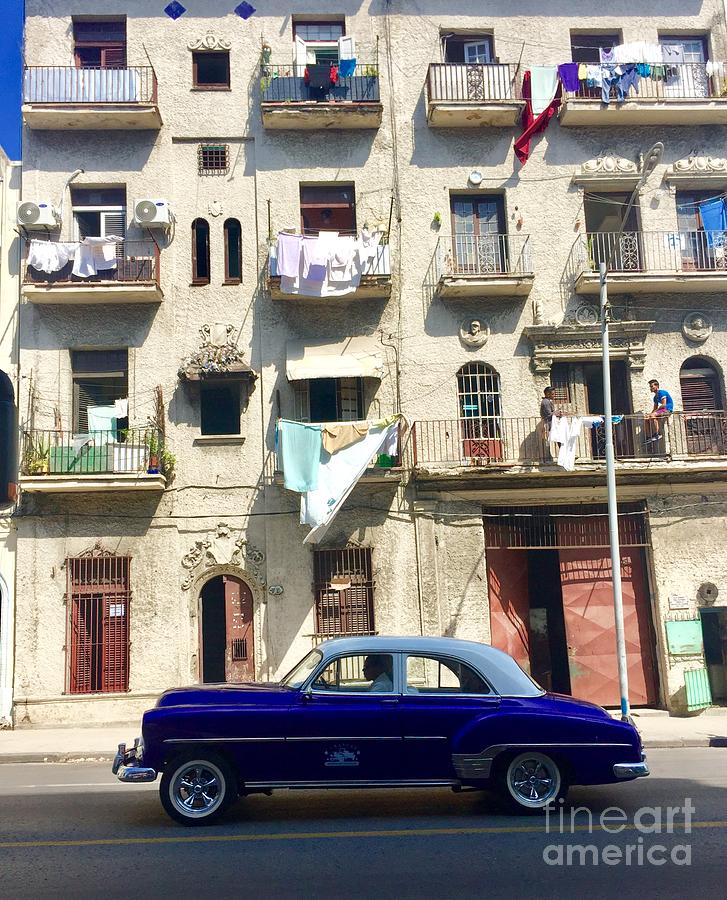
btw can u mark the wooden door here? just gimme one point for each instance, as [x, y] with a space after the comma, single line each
[239, 642]
[586, 586]
[507, 577]
[478, 226]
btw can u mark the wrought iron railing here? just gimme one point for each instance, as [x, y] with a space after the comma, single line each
[675, 82]
[289, 84]
[651, 252]
[69, 84]
[494, 440]
[481, 254]
[136, 262]
[473, 82]
[94, 452]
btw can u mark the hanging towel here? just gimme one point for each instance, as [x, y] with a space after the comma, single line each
[543, 85]
[568, 73]
[300, 446]
[337, 478]
[78, 442]
[319, 76]
[121, 408]
[340, 259]
[346, 67]
[582, 71]
[102, 423]
[714, 220]
[95, 254]
[289, 247]
[339, 435]
[533, 124]
[50, 256]
[567, 452]
[559, 427]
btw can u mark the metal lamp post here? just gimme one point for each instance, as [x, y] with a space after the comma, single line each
[651, 160]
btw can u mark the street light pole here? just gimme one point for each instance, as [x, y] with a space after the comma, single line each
[650, 162]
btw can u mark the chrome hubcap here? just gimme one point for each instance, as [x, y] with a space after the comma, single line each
[533, 782]
[197, 789]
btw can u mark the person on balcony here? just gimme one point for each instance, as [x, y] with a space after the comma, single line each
[663, 408]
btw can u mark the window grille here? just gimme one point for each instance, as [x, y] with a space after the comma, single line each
[213, 159]
[344, 591]
[98, 595]
[478, 387]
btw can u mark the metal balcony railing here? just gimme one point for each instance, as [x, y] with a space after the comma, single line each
[482, 254]
[68, 84]
[652, 252]
[122, 450]
[682, 81]
[494, 440]
[473, 83]
[288, 84]
[137, 262]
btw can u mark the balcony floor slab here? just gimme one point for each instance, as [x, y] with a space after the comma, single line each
[372, 287]
[92, 483]
[655, 282]
[66, 293]
[469, 114]
[90, 117]
[657, 111]
[466, 286]
[301, 116]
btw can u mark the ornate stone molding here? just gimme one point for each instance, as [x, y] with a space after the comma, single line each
[474, 333]
[571, 343]
[607, 168]
[696, 327]
[697, 168]
[98, 551]
[218, 355]
[210, 42]
[221, 548]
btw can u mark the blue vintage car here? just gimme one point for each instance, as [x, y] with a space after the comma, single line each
[378, 711]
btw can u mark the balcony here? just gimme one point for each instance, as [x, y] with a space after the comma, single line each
[375, 281]
[287, 101]
[68, 98]
[473, 96]
[462, 447]
[134, 279]
[485, 265]
[651, 262]
[63, 462]
[687, 96]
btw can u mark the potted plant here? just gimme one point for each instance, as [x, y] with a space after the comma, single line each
[37, 455]
[152, 444]
[168, 462]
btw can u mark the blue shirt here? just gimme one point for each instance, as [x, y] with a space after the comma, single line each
[661, 395]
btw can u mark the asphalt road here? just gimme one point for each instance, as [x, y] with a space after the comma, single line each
[72, 831]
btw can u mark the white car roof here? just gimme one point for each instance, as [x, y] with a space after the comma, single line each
[501, 670]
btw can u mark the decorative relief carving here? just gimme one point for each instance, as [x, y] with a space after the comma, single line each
[218, 355]
[98, 551]
[698, 163]
[216, 335]
[211, 42]
[474, 333]
[222, 548]
[571, 342]
[608, 165]
[696, 327]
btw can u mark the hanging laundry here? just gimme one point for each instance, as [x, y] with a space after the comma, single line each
[567, 452]
[340, 260]
[337, 478]
[533, 124]
[79, 441]
[346, 67]
[339, 435]
[300, 454]
[318, 76]
[568, 74]
[94, 255]
[582, 71]
[593, 76]
[121, 408]
[315, 258]
[559, 427]
[102, 423]
[289, 247]
[713, 214]
[543, 85]
[367, 243]
[644, 69]
[50, 256]
[606, 56]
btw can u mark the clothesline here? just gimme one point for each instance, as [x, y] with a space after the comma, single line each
[90, 255]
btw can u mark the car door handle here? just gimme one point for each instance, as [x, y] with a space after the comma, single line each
[390, 701]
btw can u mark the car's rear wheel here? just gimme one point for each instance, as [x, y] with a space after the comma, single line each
[197, 788]
[532, 780]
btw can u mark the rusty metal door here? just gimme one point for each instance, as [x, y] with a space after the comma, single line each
[239, 643]
[590, 626]
[507, 576]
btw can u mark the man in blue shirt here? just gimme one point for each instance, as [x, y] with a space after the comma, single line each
[663, 406]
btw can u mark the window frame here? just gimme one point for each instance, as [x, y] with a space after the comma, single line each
[198, 85]
[339, 606]
[197, 279]
[226, 232]
[217, 383]
[321, 204]
[109, 46]
[461, 39]
[220, 153]
[95, 375]
[396, 689]
[439, 657]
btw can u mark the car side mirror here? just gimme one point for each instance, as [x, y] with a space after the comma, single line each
[306, 696]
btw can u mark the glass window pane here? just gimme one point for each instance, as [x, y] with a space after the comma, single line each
[430, 675]
[358, 673]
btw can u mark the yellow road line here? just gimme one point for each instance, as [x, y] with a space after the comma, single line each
[327, 835]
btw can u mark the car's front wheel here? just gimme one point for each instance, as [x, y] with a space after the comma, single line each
[532, 780]
[197, 788]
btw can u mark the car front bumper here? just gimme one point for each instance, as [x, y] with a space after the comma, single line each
[632, 769]
[126, 765]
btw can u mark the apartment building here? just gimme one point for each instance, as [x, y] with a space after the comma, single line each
[9, 283]
[171, 159]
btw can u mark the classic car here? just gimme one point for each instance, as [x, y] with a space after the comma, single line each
[378, 712]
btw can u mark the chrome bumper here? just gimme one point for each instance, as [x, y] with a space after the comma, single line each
[125, 766]
[631, 770]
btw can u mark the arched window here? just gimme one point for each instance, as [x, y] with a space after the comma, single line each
[233, 252]
[7, 440]
[700, 386]
[478, 393]
[200, 252]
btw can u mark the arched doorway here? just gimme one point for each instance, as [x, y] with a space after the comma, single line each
[702, 402]
[226, 638]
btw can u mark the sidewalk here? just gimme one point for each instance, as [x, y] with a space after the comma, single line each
[99, 744]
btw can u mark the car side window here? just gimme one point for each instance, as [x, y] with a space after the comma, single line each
[358, 673]
[432, 675]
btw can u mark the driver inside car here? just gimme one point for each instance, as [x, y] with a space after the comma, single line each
[377, 670]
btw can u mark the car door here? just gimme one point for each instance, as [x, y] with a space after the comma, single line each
[345, 724]
[440, 697]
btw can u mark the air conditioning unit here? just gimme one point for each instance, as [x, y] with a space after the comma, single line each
[152, 213]
[37, 215]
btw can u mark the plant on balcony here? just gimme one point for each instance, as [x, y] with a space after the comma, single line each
[437, 220]
[37, 455]
[371, 71]
[167, 463]
[152, 444]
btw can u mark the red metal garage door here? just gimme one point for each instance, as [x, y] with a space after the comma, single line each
[507, 573]
[590, 626]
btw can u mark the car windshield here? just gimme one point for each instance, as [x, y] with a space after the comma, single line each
[299, 674]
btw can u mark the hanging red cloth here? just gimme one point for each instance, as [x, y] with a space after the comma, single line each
[533, 125]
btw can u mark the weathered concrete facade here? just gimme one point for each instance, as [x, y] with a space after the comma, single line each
[426, 533]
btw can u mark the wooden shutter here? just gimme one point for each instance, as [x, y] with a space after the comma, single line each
[348, 611]
[349, 399]
[700, 390]
[113, 57]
